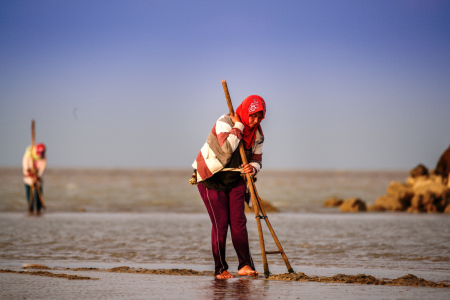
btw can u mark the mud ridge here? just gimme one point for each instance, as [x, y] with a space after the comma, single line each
[407, 280]
[49, 274]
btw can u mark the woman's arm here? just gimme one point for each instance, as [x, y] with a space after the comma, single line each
[227, 135]
[41, 167]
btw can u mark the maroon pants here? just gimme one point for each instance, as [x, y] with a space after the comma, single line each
[227, 209]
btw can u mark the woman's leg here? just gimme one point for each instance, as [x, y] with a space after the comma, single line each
[27, 194]
[238, 226]
[38, 199]
[216, 204]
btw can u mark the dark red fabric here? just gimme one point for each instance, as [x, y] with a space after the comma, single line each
[251, 105]
[257, 157]
[226, 209]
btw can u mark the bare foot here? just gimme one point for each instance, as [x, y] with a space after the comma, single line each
[247, 271]
[224, 275]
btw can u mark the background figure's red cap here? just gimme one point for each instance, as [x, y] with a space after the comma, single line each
[40, 150]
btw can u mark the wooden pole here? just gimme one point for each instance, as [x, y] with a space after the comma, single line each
[255, 203]
[275, 238]
[32, 187]
[257, 206]
[35, 188]
[33, 134]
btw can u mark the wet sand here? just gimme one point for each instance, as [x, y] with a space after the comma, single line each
[85, 253]
[43, 282]
[131, 218]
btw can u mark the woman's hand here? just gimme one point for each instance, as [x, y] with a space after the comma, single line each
[235, 118]
[248, 169]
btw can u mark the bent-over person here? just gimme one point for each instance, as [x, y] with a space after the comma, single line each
[221, 183]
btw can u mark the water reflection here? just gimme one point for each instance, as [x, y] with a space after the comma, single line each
[239, 288]
[311, 241]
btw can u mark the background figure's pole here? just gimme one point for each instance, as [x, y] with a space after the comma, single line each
[35, 188]
[33, 141]
[255, 201]
[33, 135]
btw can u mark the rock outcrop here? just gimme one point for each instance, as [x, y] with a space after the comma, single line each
[443, 166]
[353, 205]
[267, 206]
[423, 192]
[430, 195]
[333, 202]
[397, 198]
[420, 170]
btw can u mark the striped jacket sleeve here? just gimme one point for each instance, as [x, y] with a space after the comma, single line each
[221, 142]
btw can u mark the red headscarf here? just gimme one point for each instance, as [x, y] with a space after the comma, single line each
[251, 105]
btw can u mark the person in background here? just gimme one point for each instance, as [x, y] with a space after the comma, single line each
[33, 166]
[222, 189]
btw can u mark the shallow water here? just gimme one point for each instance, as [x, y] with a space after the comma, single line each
[383, 245]
[123, 190]
[155, 219]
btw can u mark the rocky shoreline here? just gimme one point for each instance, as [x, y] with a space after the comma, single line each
[422, 192]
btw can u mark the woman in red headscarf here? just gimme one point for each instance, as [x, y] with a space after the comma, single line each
[222, 188]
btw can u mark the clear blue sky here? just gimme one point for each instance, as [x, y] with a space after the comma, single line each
[348, 84]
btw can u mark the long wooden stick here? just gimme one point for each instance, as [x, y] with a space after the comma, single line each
[33, 134]
[275, 238]
[251, 187]
[31, 200]
[256, 201]
[37, 185]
